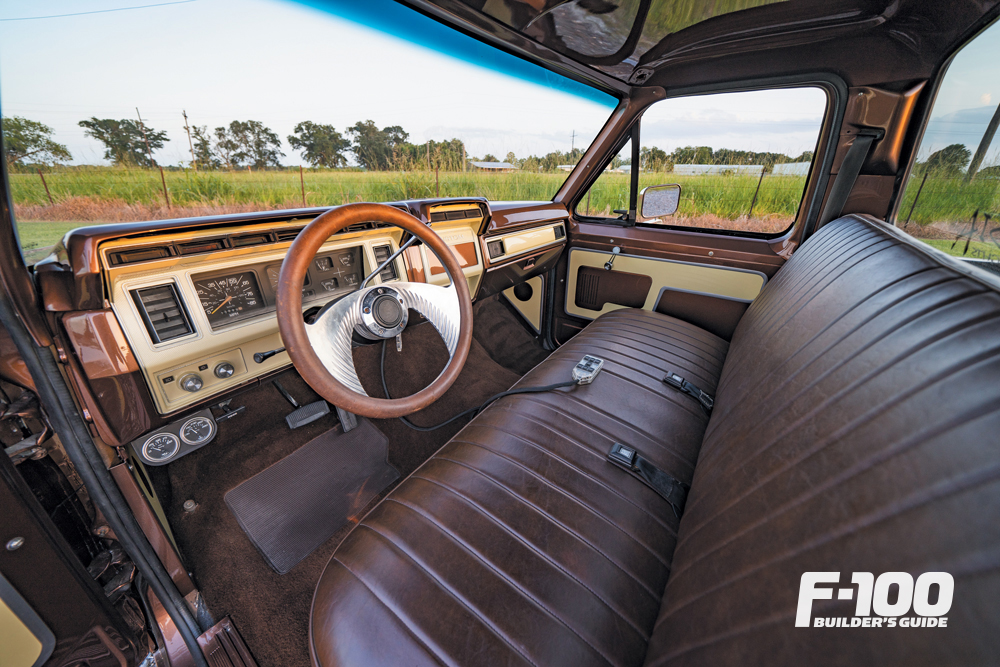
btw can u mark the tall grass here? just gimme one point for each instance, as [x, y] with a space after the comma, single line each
[93, 195]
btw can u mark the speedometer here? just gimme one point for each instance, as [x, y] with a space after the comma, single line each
[229, 298]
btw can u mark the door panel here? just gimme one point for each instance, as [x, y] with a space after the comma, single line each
[706, 279]
[587, 266]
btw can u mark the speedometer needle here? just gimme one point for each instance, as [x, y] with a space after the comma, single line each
[228, 299]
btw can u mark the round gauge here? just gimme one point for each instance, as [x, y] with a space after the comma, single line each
[197, 430]
[229, 297]
[161, 447]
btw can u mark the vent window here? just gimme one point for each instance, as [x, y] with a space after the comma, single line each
[382, 253]
[162, 312]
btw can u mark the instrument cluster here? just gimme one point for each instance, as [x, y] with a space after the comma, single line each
[231, 296]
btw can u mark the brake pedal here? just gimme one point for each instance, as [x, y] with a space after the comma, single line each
[303, 414]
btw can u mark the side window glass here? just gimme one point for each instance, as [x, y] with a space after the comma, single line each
[951, 200]
[741, 160]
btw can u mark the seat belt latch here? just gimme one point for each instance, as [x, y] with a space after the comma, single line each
[672, 490]
[677, 382]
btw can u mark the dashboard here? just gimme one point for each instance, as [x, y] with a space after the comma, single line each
[189, 304]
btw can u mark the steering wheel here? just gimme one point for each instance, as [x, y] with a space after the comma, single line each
[321, 351]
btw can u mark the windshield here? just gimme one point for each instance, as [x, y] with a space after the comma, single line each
[205, 107]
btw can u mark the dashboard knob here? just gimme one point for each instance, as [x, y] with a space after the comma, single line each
[224, 370]
[191, 382]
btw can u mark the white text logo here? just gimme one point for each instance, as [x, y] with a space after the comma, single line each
[873, 596]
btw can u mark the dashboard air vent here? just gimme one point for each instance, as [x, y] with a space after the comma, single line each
[162, 312]
[496, 248]
[382, 253]
[286, 235]
[195, 247]
[250, 239]
[462, 214]
[133, 255]
[559, 232]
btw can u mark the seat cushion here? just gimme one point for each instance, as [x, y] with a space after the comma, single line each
[855, 430]
[517, 542]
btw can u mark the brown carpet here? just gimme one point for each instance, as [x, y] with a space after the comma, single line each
[272, 610]
[504, 336]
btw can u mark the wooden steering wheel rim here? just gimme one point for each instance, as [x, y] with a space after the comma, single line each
[293, 328]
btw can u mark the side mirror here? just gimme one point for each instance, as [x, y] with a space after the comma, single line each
[658, 201]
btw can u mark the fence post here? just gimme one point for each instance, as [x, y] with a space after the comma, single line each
[163, 179]
[302, 182]
[46, 185]
[915, 198]
[754, 202]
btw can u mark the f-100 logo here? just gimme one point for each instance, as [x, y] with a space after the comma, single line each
[874, 595]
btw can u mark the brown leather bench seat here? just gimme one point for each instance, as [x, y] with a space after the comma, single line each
[854, 430]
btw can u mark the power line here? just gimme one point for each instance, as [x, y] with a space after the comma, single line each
[99, 11]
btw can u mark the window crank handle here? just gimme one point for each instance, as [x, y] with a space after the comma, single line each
[608, 265]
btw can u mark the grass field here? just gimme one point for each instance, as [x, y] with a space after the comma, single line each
[95, 195]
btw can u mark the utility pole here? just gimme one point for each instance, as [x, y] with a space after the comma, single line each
[572, 141]
[984, 145]
[187, 128]
[144, 138]
[463, 156]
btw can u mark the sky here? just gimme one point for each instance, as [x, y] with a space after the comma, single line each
[283, 62]
[277, 62]
[968, 98]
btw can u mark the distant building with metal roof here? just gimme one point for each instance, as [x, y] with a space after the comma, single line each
[494, 166]
[710, 169]
[792, 169]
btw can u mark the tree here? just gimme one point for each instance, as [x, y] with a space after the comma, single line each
[123, 140]
[248, 143]
[321, 145]
[23, 138]
[376, 149]
[203, 153]
[489, 158]
[949, 161]
[653, 159]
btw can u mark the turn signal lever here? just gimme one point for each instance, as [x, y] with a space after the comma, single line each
[261, 357]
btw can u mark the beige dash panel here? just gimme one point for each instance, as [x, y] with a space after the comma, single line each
[700, 278]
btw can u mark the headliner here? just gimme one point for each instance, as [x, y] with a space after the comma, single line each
[617, 44]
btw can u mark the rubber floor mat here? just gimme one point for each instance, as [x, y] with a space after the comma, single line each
[298, 503]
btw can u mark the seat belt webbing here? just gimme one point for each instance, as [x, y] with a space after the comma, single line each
[679, 383]
[672, 490]
[848, 174]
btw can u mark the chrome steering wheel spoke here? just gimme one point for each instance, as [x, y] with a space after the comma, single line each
[332, 331]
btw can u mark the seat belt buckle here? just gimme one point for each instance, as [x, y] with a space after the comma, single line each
[623, 455]
[707, 402]
[674, 380]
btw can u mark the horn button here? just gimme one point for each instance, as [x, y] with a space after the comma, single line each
[383, 313]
